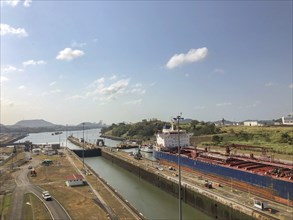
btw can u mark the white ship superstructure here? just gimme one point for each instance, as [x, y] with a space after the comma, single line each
[168, 138]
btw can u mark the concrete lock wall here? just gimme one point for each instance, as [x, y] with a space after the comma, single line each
[189, 196]
[88, 152]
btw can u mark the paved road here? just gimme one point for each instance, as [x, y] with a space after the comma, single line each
[23, 186]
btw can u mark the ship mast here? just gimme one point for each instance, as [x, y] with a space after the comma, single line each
[178, 118]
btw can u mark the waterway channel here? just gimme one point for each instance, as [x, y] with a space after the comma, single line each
[152, 202]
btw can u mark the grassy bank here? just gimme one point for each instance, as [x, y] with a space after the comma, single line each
[5, 204]
[33, 208]
[279, 139]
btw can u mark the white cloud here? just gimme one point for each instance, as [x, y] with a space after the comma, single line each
[269, 84]
[137, 85]
[291, 86]
[104, 90]
[52, 83]
[76, 44]
[193, 55]
[99, 81]
[224, 104]
[138, 89]
[62, 76]
[5, 29]
[3, 79]
[9, 68]
[134, 102]
[69, 54]
[113, 77]
[33, 62]
[152, 84]
[27, 3]
[22, 87]
[12, 3]
[217, 70]
[115, 88]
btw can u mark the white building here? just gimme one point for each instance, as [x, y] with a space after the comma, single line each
[288, 120]
[251, 123]
[36, 151]
[74, 180]
[169, 138]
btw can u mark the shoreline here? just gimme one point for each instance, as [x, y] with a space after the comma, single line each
[112, 137]
[6, 139]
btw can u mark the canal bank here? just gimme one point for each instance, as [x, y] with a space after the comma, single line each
[147, 194]
[216, 204]
[106, 196]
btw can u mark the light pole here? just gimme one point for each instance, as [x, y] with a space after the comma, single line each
[178, 118]
[83, 145]
[66, 134]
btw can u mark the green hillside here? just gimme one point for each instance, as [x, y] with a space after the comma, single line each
[276, 137]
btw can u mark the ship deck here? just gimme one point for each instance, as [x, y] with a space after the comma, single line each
[260, 166]
[275, 170]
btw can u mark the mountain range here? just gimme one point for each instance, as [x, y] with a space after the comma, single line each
[40, 125]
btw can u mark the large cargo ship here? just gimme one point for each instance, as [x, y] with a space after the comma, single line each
[266, 172]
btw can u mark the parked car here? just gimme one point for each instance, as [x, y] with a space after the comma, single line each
[46, 195]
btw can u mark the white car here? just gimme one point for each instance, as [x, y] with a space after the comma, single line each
[46, 195]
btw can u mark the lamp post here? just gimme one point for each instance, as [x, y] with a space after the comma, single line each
[178, 118]
[66, 134]
[83, 145]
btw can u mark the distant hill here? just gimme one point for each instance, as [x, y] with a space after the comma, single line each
[91, 125]
[40, 125]
[3, 128]
[35, 123]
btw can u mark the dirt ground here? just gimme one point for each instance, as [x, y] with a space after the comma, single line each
[77, 200]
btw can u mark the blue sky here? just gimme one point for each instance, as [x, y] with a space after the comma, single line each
[73, 61]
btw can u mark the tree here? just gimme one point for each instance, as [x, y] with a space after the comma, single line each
[217, 139]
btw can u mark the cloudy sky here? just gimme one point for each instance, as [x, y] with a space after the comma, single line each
[74, 61]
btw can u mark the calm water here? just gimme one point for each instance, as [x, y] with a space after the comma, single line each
[46, 137]
[146, 198]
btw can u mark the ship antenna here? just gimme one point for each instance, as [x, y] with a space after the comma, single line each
[177, 119]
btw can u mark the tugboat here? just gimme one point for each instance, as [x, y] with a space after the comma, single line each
[147, 149]
[138, 155]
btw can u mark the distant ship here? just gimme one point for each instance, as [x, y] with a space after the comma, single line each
[147, 148]
[128, 145]
[57, 132]
[268, 174]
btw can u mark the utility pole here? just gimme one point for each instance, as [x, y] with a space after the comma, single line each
[83, 145]
[178, 118]
[66, 134]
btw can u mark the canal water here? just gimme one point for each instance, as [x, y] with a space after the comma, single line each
[152, 202]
